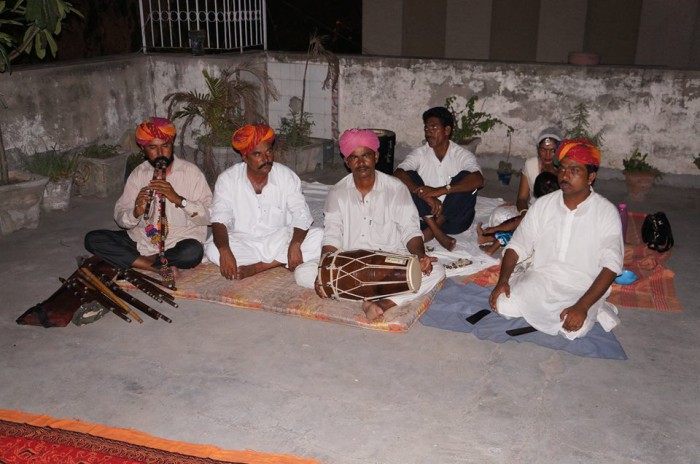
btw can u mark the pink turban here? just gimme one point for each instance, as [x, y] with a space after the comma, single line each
[354, 138]
[580, 150]
[155, 128]
[248, 137]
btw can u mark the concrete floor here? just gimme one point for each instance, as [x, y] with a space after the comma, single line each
[242, 379]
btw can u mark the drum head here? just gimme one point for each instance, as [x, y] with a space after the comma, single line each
[414, 275]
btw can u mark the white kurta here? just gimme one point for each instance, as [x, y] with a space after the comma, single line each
[569, 250]
[531, 169]
[436, 173]
[386, 219]
[183, 223]
[260, 226]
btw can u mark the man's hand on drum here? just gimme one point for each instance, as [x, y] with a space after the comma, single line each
[426, 264]
[227, 264]
[294, 255]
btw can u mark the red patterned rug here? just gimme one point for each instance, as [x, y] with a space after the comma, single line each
[654, 288]
[29, 438]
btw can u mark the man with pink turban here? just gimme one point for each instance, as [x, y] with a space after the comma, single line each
[260, 219]
[574, 236]
[443, 179]
[187, 200]
[371, 210]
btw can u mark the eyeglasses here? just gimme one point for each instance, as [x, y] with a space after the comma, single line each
[574, 171]
[432, 128]
[365, 156]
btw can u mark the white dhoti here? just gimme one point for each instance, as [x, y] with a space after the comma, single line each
[540, 295]
[274, 247]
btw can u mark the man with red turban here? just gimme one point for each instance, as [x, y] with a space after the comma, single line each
[574, 237]
[187, 200]
[373, 211]
[259, 216]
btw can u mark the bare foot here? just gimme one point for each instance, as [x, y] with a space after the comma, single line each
[490, 248]
[373, 311]
[248, 271]
[480, 239]
[252, 269]
[447, 242]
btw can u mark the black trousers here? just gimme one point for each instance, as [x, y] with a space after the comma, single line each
[119, 250]
[458, 208]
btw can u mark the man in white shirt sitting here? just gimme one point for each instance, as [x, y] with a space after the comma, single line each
[260, 219]
[575, 236]
[443, 179]
[370, 210]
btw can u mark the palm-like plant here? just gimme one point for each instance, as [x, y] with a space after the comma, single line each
[229, 103]
[40, 21]
[297, 126]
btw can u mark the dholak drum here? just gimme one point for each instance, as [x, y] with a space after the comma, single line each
[368, 275]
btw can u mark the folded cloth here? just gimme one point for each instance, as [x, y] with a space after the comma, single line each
[455, 303]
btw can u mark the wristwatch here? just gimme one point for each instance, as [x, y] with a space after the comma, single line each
[448, 187]
[183, 202]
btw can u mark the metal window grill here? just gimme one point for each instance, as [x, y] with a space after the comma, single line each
[226, 24]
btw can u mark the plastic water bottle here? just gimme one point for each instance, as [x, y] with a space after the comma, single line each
[622, 207]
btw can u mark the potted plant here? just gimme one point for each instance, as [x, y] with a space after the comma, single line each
[470, 124]
[297, 149]
[60, 168]
[639, 175]
[30, 27]
[101, 170]
[229, 103]
[581, 128]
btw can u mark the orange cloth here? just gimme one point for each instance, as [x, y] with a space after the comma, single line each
[142, 439]
[248, 137]
[155, 128]
[580, 150]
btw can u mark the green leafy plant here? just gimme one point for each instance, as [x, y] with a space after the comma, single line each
[295, 128]
[472, 123]
[54, 164]
[28, 26]
[637, 162]
[697, 161]
[229, 103]
[581, 128]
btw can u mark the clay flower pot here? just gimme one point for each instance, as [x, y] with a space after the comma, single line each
[638, 184]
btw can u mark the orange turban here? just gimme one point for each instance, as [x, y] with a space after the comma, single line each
[155, 128]
[580, 150]
[248, 137]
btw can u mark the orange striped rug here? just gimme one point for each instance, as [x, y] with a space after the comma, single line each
[37, 439]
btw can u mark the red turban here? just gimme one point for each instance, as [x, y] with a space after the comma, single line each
[155, 128]
[248, 137]
[580, 150]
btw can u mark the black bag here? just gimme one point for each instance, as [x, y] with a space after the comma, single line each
[656, 232]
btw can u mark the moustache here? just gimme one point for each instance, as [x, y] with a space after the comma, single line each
[266, 164]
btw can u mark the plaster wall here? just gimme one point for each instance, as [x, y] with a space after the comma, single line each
[657, 111]
[69, 105]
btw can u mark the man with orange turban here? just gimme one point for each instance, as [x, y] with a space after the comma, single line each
[187, 200]
[259, 216]
[575, 238]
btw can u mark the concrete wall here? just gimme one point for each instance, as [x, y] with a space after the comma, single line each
[655, 110]
[73, 104]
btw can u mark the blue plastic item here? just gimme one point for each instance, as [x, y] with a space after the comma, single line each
[626, 278]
